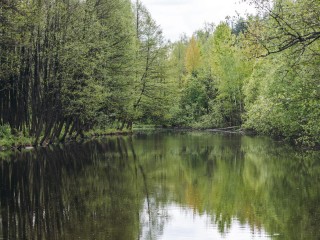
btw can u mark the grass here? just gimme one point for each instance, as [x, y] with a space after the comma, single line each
[9, 140]
[106, 131]
[142, 127]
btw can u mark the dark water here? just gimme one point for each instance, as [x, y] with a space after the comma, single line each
[162, 186]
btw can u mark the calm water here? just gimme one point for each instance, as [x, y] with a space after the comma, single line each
[162, 186]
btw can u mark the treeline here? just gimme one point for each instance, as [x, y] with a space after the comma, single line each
[261, 73]
[70, 66]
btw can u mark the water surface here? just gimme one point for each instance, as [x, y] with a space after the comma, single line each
[162, 186]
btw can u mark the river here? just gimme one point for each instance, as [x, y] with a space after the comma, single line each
[162, 186]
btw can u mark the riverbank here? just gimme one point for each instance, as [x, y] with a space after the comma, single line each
[10, 142]
[22, 142]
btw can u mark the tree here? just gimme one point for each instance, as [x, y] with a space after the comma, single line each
[282, 93]
[150, 89]
[282, 100]
[284, 24]
[193, 57]
[65, 65]
[231, 67]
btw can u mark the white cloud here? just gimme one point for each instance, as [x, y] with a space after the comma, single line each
[186, 16]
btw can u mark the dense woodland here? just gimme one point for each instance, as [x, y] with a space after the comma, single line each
[68, 67]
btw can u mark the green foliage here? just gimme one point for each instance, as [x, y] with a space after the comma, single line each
[68, 67]
[285, 24]
[97, 132]
[231, 67]
[151, 87]
[211, 94]
[6, 138]
[5, 131]
[192, 57]
[282, 94]
[71, 66]
[276, 95]
[285, 101]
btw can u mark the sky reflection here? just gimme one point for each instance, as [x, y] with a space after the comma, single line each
[183, 223]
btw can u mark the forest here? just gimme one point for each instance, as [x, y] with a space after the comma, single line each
[69, 68]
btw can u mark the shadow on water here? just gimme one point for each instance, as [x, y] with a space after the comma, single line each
[130, 187]
[47, 193]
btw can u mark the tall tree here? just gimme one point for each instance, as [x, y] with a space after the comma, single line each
[150, 82]
[231, 67]
[193, 56]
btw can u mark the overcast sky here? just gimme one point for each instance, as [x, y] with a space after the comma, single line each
[186, 16]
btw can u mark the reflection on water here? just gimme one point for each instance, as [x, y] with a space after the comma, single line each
[184, 224]
[162, 186]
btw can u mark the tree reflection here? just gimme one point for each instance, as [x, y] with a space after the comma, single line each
[69, 192]
[257, 181]
[121, 187]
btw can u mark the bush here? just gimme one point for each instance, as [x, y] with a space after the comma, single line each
[6, 137]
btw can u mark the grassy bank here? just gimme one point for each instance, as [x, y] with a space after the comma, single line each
[9, 140]
[18, 140]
